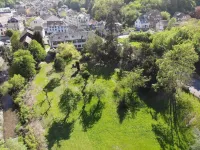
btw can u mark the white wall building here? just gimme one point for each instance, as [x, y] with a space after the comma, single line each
[142, 23]
[77, 37]
[37, 22]
[16, 23]
[79, 20]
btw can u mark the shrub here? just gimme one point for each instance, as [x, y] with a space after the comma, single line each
[140, 37]
[59, 64]
[17, 82]
[9, 33]
[30, 140]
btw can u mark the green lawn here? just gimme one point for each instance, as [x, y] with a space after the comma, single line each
[102, 127]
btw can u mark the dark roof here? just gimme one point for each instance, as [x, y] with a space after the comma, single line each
[49, 23]
[13, 20]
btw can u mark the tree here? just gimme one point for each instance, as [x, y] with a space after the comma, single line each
[15, 144]
[68, 52]
[6, 54]
[93, 46]
[9, 33]
[176, 67]
[131, 12]
[75, 5]
[23, 64]
[38, 37]
[37, 51]
[165, 15]
[59, 64]
[17, 82]
[15, 43]
[171, 23]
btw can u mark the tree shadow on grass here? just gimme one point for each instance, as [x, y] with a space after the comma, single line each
[133, 106]
[53, 83]
[59, 131]
[88, 119]
[104, 70]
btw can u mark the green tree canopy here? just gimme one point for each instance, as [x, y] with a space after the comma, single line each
[15, 43]
[37, 51]
[23, 64]
[176, 67]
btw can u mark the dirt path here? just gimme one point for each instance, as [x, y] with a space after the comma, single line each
[10, 117]
[10, 122]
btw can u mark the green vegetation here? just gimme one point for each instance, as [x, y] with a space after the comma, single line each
[37, 51]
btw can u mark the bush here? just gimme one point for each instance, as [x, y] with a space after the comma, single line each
[17, 82]
[59, 64]
[9, 33]
[140, 37]
[30, 140]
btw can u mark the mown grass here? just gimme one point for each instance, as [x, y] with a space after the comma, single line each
[99, 129]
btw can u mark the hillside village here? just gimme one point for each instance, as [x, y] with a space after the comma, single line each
[67, 25]
[99, 74]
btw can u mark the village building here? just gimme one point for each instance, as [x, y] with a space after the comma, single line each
[80, 20]
[26, 37]
[180, 17]
[161, 25]
[38, 21]
[16, 23]
[148, 20]
[54, 25]
[78, 37]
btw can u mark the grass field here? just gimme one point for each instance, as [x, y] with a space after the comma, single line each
[102, 127]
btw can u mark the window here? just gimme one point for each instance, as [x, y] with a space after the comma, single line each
[58, 37]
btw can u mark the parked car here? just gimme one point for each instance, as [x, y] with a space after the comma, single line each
[7, 43]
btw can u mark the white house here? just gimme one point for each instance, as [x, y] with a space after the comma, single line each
[5, 10]
[16, 23]
[77, 37]
[37, 22]
[54, 25]
[80, 20]
[142, 23]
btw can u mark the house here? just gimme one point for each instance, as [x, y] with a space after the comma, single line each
[180, 17]
[54, 25]
[26, 37]
[81, 20]
[5, 10]
[37, 22]
[20, 8]
[2, 30]
[142, 23]
[161, 25]
[148, 20]
[16, 23]
[40, 29]
[78, 37]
